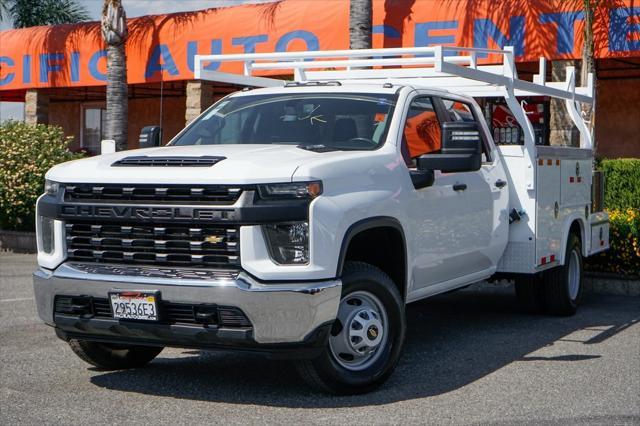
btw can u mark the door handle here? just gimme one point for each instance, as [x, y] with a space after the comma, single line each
[501, 183]
[459, 186]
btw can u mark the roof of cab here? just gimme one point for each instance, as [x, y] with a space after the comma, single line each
[372, 87]
[324, 88]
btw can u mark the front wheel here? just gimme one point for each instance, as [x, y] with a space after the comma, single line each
[366, 339]
[108, 356]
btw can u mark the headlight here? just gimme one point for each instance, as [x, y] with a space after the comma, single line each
[51, 187]
[47, 236]
[287, 191]
[288, 242]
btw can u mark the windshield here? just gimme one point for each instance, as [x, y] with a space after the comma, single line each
[326, 121]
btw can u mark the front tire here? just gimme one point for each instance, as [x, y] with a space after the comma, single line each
[563, 285]
[108, 356]
[367, 337]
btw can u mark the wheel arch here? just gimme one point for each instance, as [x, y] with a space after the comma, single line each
[367, 231]
[574, 224]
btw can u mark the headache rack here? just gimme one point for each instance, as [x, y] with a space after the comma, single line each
[455, 69]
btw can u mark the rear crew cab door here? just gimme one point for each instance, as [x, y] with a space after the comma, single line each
[433, 212]
[481, 233]
[452, 225]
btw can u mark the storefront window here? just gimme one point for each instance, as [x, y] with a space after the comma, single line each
[93, 128]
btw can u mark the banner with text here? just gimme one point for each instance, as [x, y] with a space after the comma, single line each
[162, 47]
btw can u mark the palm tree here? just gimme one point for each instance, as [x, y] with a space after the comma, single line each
[360, 23]
[31, 13]
[588, 60]
[114, 32]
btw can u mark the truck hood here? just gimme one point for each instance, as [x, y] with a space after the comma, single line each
[243, 164]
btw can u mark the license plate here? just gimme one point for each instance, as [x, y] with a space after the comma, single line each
[137, 305]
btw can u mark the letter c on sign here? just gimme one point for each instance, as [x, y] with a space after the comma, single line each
[9, 63]
[93, 65]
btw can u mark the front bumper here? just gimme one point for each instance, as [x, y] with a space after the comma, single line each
[285, 315]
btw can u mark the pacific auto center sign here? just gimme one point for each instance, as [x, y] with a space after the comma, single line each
[162, 47]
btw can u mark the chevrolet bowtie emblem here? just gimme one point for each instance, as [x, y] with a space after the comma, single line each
[372, 332]
[214, 239]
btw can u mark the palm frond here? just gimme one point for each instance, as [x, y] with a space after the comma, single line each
[30, 13]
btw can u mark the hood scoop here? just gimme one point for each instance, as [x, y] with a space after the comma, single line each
[174, 161]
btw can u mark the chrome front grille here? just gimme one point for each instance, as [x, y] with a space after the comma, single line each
[152, 194]
[157, 244]
[156, 271]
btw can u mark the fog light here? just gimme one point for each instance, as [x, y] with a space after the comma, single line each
[288, 242]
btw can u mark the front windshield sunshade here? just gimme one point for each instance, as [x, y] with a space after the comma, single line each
[332, 121]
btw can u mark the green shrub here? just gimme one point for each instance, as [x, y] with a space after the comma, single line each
[26, 153]
[622, 177]
[623, 257]
[622, 202]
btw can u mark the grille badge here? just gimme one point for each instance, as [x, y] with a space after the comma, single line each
[214, 239]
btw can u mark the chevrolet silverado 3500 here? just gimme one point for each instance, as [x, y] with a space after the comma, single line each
[299, 218]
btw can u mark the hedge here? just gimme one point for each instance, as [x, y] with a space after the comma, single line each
[623, 256]
[622, 179]
[26, 153]
[622, 202]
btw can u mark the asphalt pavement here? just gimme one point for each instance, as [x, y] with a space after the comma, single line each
[470, 357]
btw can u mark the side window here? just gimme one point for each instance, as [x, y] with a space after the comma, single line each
[458, 111]
[421, 130]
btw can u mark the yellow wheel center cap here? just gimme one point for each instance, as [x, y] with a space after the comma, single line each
[372, 332]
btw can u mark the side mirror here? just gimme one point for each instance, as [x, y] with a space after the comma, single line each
[461, 149]
[150, 136]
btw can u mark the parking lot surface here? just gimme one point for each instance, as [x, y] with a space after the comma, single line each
[470, 357]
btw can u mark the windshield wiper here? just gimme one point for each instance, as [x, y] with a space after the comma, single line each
[318, 148]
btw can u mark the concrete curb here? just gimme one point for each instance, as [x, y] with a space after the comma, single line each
[19, 242]
[593, 284]
[599, 284]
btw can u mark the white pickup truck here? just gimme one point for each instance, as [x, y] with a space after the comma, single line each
[298, 219]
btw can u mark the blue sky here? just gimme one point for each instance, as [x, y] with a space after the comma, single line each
[146, 7]
[13, 110]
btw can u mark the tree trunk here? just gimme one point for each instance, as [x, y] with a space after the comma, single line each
[562, 131]
[588, 60]
[117, 116]
[589, 63]
[114, 32]
[360, 23]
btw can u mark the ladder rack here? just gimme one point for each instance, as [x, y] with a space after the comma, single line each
[452, 68]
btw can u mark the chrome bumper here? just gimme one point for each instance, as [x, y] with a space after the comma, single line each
[279, 312]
